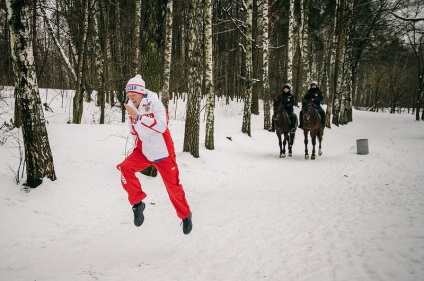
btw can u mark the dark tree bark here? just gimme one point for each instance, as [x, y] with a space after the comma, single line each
[38, 156]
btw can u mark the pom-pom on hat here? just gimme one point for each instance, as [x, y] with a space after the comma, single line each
[136, 85]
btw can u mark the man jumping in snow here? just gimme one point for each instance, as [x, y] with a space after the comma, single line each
[148, 124]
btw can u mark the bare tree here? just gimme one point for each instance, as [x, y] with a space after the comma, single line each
[247, 112]
[81, 49]
[192, 126]
[167, 53]
[57, 44]
[137, 35]
[290, 42]
[304, 53]
[38, 156]
[338, 68]
[210, 100]
[265, 64]
[416, 41]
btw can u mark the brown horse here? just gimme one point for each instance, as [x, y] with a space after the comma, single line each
[282, 126]
[312, 125]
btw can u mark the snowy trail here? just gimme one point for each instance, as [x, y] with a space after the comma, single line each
[340, 217]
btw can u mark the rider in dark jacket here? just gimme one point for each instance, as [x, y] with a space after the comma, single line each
[314, 94]
[287, 99]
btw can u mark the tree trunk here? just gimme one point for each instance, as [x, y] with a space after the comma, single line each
[210, 102]
[290, 43]
[346, 104]
[38, 156]
[330, 70]
[57, 44]
[338, 67]
[256, 54]
[306, 74]
[79, 87]
[265, 65]
[34, 31]
[136, 38]
[99, 70]
[247, 113]
[191, 133]
[118, 73]
[167, 58]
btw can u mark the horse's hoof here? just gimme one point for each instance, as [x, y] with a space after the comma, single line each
[313, 157]
[319, 152]
[290, 155]
[282, 156]
[306, 157]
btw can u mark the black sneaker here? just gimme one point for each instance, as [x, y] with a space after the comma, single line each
[138, 213]
[187, 225]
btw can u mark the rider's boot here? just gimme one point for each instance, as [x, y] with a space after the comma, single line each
[300, 120]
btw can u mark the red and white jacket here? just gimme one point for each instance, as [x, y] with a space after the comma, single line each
[150, 129]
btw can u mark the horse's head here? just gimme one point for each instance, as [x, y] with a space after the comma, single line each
[278, 105]
[307, 107]
[281, 117]
[310, 114]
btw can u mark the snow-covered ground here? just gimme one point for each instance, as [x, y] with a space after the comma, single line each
[342, 216]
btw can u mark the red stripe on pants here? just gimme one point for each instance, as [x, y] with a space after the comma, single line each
[167, 168]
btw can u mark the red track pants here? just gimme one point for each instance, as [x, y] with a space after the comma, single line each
[167, 168]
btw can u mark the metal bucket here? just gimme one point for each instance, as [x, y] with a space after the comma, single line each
[362, 146]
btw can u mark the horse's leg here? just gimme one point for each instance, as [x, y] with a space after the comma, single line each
[321, 133]
[280, 144]
[305, 133]
[291, 141]
[283, 155]
[314, 141]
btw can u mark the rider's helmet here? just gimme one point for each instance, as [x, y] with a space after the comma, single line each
[314, 83]
[287, 85]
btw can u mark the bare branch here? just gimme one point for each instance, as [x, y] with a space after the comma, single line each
[407, 19]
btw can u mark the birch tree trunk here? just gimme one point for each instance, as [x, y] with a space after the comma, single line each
[247, 113]
[167, 54]
[256, 56]
[338, 67]
[137, 35]
[416, 41]
[105, 11]
[290, 44]
[57, 44]
[331, 49]
[265, 65]
[118, 73]
[99, 70]
[79, 87]
[38, 156]
[304, 17]
[346, 108]
[191, 133]
[210, 100]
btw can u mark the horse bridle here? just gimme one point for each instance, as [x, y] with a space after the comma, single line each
[307, 115]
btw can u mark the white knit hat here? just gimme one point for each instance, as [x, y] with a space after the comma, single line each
[136, 85]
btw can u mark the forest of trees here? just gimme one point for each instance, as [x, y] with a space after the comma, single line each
[365, 54]
[379, 57]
